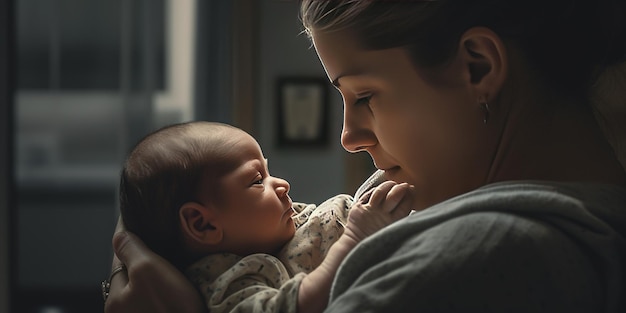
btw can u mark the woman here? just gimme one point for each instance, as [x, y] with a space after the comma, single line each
[498, 112]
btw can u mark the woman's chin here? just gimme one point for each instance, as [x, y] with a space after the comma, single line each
[394, 174]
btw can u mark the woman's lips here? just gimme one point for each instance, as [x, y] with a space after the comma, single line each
[390, 172]
[390, 169]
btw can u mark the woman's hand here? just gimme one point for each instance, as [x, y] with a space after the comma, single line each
[379, 207]
[151, 284]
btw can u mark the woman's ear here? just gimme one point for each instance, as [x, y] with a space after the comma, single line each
[200, 224]
[486, 61]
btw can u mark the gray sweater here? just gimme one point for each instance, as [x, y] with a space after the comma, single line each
[506, 247]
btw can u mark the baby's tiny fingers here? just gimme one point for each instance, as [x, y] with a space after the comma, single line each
[394, 197]
[365, 198]
[380, 193]
[405, 205]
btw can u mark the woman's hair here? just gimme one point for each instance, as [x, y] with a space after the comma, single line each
[575, 45]
[166, 169]
[566, 39]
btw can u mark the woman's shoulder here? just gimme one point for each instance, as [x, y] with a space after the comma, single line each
[536, 198]
[574, 208]
[477, 260]
[591, 204]
[518, 241]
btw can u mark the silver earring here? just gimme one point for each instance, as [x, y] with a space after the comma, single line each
[485, 108]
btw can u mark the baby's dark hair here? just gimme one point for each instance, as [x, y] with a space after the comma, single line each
[165, 170]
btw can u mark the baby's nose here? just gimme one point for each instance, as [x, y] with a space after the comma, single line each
[282, 186]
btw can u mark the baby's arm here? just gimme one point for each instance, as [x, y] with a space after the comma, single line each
[386, 204]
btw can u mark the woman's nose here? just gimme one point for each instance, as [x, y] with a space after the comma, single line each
[356, 135]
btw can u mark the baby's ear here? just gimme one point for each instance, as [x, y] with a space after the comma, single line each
[200, 225]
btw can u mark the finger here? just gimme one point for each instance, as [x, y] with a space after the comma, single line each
[394, 197]
[365, 198]
[119, 282]
[123, 252]
[130, 250]
[118, 228]
[137, 257]
[380, 193]
[406, 204]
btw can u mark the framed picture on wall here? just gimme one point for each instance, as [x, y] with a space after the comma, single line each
[302, 111]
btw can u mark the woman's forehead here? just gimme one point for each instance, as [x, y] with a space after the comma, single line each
[341, 57]
[334, 50]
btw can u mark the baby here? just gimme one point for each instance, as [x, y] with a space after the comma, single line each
[200, 194]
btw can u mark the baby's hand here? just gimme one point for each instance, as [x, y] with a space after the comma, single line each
[385, 204]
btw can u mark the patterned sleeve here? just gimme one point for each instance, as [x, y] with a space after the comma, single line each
[255, 283]
[262, 282]
[318, 228]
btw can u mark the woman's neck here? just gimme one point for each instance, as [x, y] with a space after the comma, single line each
[554, 138]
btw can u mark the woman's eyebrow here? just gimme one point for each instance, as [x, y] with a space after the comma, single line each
[335, 82]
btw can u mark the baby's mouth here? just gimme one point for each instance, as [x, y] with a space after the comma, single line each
[290, 208]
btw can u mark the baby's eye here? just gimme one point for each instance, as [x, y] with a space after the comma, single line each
[258, 180]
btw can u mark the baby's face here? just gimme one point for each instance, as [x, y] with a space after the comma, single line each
[255, 210]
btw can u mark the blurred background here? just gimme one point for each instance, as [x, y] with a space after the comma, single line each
[82, 80]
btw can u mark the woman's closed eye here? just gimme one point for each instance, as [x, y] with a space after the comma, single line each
[363, 100]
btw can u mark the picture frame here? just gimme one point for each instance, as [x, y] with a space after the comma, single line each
[302, 113]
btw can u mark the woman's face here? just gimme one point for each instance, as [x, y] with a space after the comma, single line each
[424, 128]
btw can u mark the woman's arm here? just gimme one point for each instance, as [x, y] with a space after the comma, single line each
[386, 204]
[151, 284]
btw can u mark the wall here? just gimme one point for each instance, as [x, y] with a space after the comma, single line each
[6, 29]
[4, 213]
[71, 135]
[314, 174]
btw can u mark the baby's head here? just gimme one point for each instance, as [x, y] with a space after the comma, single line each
[197, 188]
